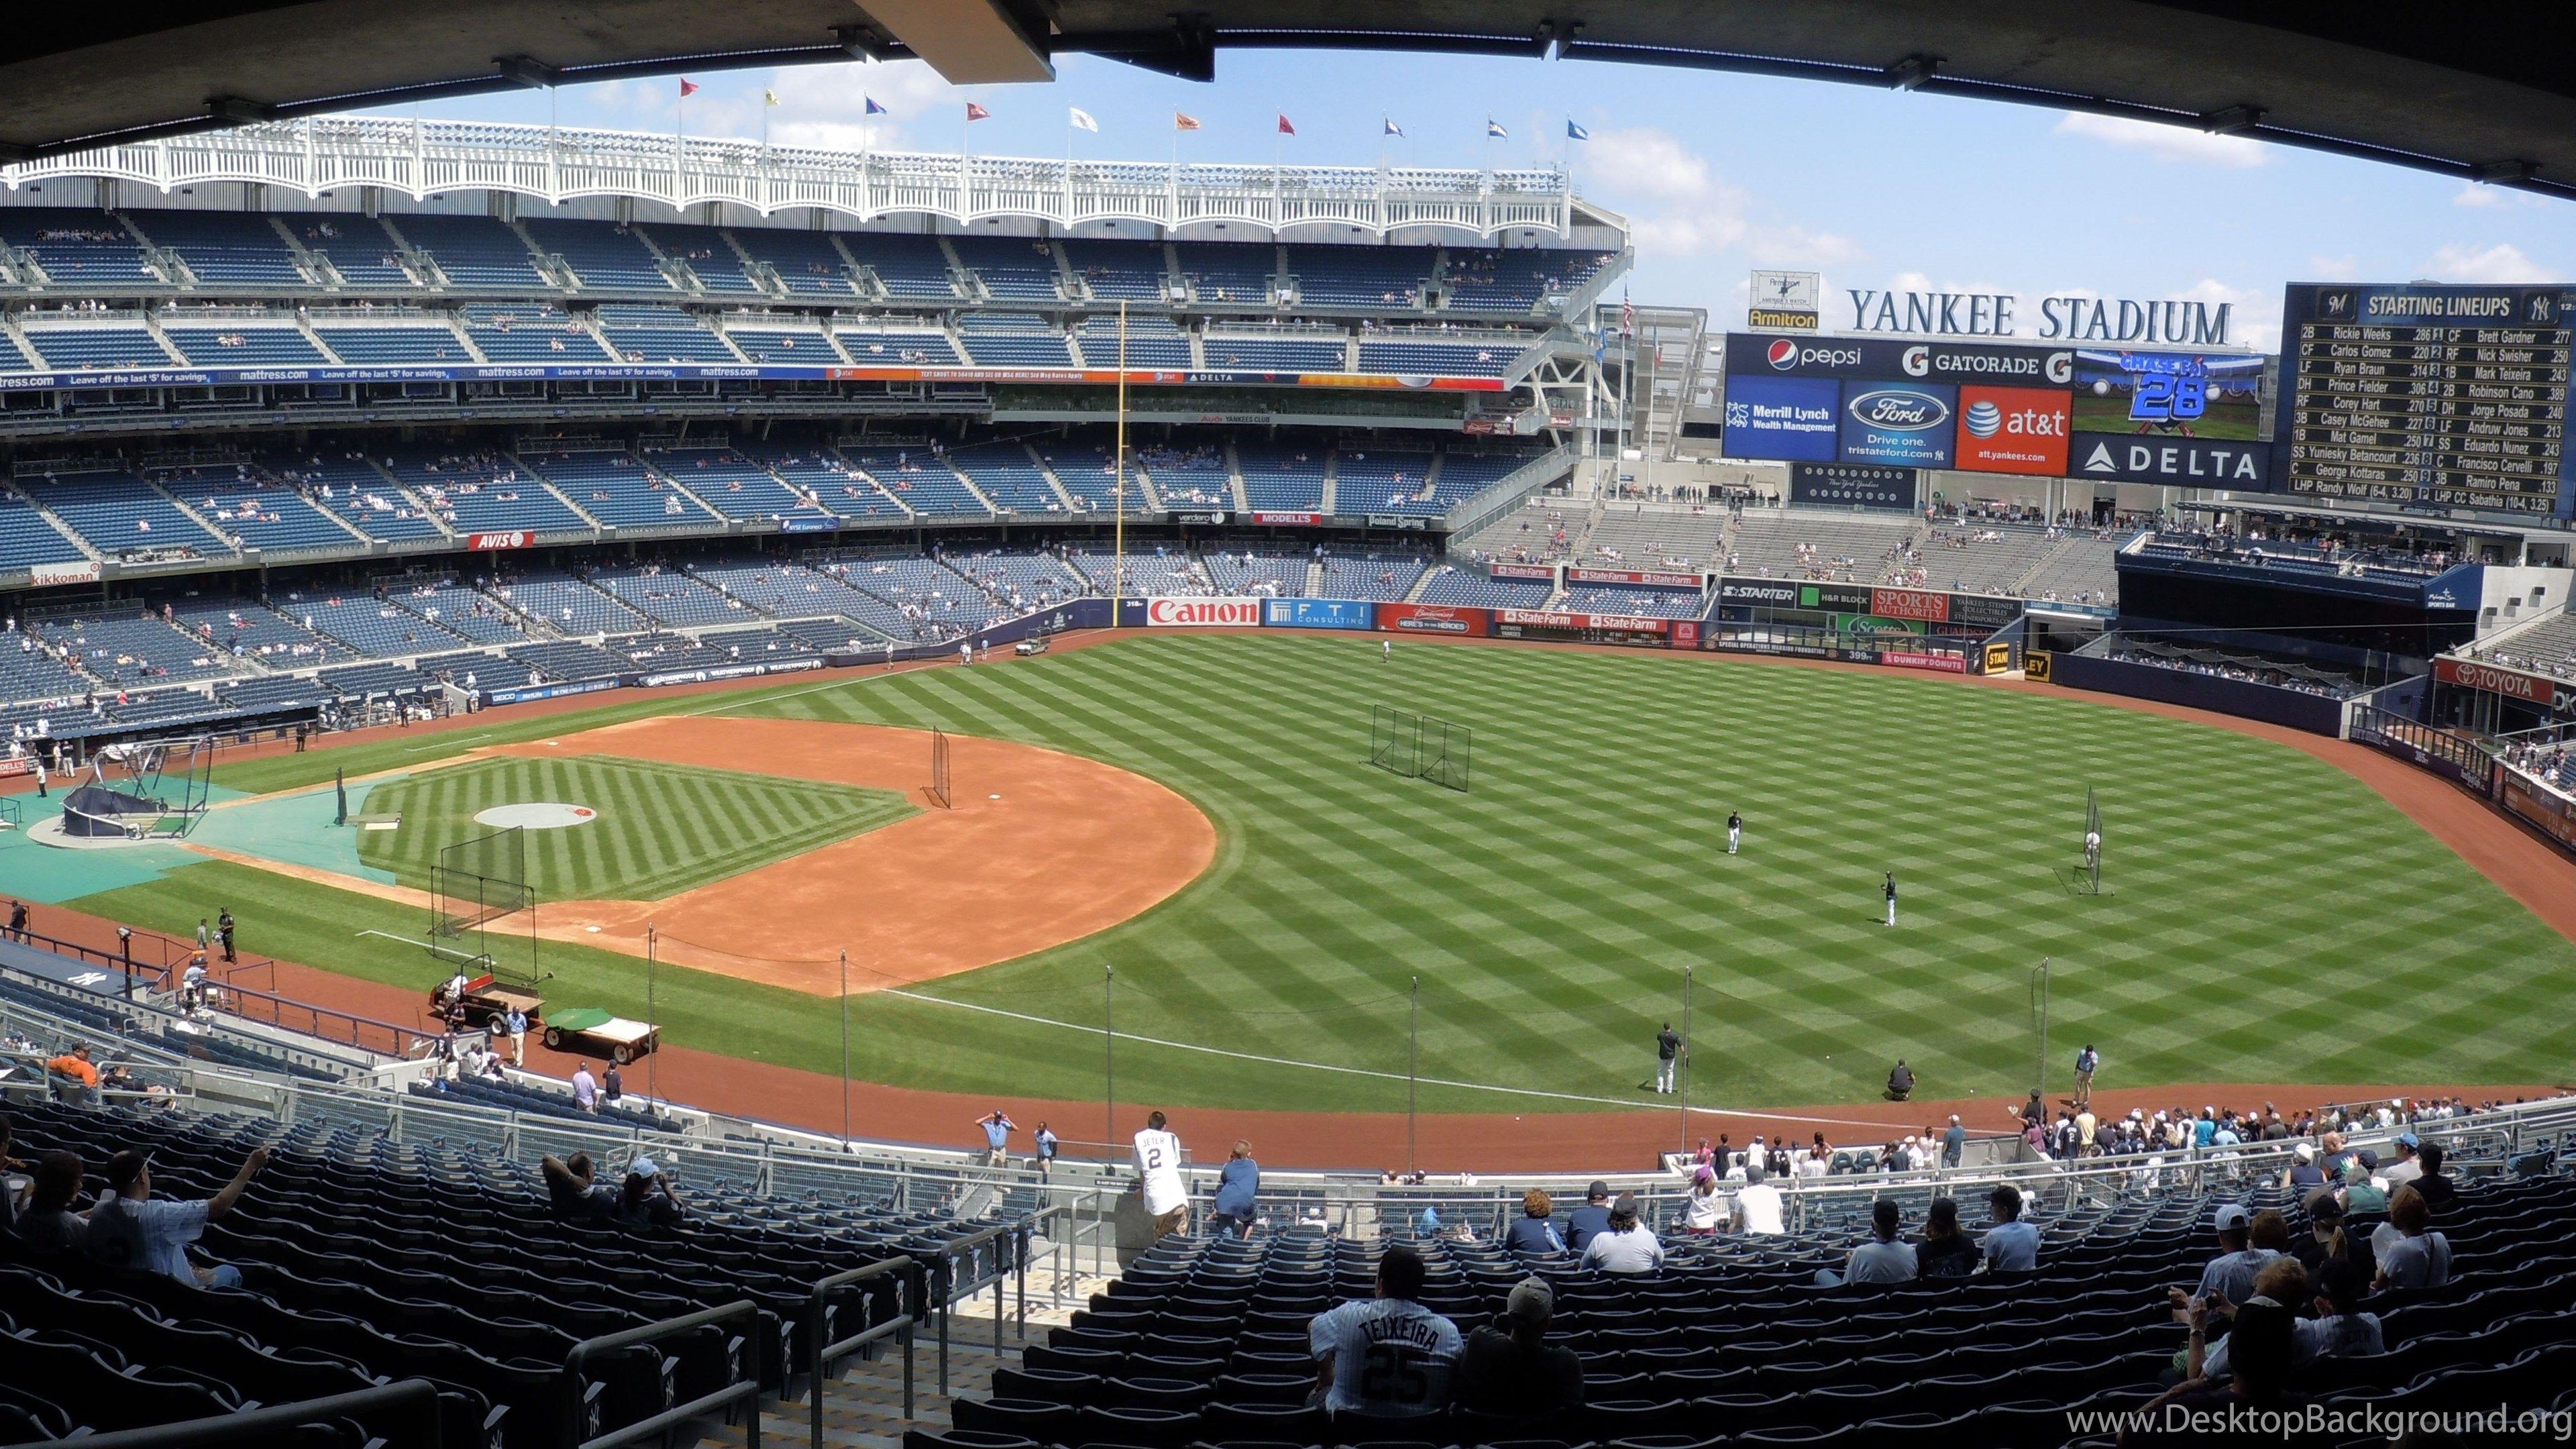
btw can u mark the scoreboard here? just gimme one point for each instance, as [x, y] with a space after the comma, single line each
[2427, 396]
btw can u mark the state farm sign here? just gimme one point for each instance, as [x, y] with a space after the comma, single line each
[1203, 613]
[2530, 689]
[486, 542]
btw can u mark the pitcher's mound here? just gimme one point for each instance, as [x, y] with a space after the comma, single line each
[535, 815]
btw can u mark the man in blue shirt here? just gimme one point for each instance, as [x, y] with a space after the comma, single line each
[1593, 1217]
[1238, 1186]
[2012, 1246]
[131, 1229]
[1048, 1145]
[997, 1138]
[1954, 1143]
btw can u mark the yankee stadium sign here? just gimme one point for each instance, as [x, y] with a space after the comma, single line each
[2061, 319]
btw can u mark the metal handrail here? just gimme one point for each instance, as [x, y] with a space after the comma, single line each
[913, 1289]
[744, 1388]
[409, 1404]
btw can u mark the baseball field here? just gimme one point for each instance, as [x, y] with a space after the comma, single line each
[2264, 915]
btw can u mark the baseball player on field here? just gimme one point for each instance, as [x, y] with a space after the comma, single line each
[1734, 830]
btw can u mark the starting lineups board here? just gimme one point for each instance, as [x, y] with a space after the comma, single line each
[2427, 396]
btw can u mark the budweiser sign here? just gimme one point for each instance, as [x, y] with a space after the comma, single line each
[488, 542]
[2513, 684]
[1202, 613]
[1432, 619]
[1922, 604]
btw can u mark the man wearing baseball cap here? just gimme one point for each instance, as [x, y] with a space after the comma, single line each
[2231, 1273]
[2405, 1169]
[1590, 1220]
[132, 1229]
[1510, 1368]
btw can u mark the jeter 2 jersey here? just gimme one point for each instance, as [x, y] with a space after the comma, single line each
[1389, 1356]
[1158, 1162]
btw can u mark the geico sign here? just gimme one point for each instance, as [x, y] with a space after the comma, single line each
[1203, 613]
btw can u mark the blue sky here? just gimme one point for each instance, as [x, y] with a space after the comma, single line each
[1719, 173]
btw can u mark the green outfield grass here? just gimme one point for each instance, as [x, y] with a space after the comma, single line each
[661, 829]
[2266, 917]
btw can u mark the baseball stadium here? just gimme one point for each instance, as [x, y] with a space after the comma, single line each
[643, 765]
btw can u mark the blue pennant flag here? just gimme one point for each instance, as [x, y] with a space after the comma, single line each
[1392, 128]
[1574, 132]
[873, 108]
[1495, 129]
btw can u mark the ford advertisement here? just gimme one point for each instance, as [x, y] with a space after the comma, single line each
[1901, 425]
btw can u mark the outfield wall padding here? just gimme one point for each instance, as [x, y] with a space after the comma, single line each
[2314, 713]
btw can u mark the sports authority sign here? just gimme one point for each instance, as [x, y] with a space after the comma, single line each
[2511, 683]
[1924, 605]
[1222, 613]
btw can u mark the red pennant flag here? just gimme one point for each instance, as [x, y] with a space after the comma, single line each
[1284, 128]
[975, 112]
[688, 88]
[1182, 122]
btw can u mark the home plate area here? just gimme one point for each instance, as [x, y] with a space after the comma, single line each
[535, 815]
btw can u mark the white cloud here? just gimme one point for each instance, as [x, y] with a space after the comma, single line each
[1648, 161]
[1679, 206]
[2503, 262]
[2488, 197]
[2166, 143]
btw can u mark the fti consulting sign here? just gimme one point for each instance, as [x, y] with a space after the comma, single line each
[1900, 424]
[2013, 430]
[1789, 418]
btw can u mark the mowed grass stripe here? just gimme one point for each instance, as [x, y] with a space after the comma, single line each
[660, 829]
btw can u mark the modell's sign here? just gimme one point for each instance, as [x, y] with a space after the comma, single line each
[1291, 520]
[1632, 576]
[487, 542]
[2512, 684]
[1923, 604]
[1203, 613]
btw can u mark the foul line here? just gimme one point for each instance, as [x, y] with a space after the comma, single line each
[1380, 1075]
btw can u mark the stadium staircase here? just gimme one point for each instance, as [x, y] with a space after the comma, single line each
[1234, 479]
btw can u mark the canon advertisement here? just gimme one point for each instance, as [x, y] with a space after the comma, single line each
[1185, 613]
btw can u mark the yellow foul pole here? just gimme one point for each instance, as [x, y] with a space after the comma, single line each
[1118, 550]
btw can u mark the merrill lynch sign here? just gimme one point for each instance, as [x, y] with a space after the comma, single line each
[2061, 319]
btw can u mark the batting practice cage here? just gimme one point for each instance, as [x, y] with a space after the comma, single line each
[475, 883]
[1420, 746]
[939, 781]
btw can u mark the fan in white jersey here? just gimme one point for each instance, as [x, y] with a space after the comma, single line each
[1388, 1354]
[1158, 1171]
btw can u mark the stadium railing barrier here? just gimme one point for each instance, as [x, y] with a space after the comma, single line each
[912, 1291]
[399, 1415]
[581, 1394]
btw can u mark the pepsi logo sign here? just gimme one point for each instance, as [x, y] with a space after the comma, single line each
[1784, 354]
[1903, 410]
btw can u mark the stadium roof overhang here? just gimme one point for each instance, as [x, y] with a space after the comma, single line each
[2479, 91]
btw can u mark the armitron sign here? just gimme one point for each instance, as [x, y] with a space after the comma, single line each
[1203, 613]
